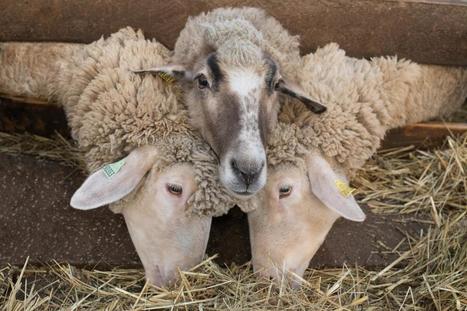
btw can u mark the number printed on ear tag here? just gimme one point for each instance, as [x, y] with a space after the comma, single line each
[344, 189]
[113, 168]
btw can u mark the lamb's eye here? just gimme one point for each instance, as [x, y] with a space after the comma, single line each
[174, 189]
[285, 191]
[202, 81]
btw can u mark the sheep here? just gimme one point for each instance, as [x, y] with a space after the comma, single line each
[311, 158]
[26, 69]
[164, 180]
[232, 64]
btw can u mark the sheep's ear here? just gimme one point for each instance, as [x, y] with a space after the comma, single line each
[293, 91]
[331, 189]
[114, 181]
[170, 73]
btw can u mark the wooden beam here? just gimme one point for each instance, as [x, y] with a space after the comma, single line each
[18, 115]
[22, 100]
[428, 31]
[423, 135]
[38, 117]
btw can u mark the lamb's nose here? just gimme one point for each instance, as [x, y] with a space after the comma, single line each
[247, 171]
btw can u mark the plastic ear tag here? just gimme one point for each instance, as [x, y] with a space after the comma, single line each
[167, 78]
[344, 189]
[113, 168]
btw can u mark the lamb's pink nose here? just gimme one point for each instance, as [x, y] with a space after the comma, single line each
[159, 278]
[293, 276]
[268, 273]
[154, 276]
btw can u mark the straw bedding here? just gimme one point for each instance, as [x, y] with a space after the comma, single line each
[430, 273]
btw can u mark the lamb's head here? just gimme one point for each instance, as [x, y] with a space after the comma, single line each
[154, 204]
[233, 101]
[303, 197]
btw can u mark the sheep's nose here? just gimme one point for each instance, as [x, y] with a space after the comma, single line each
[277, 275]
[246, 170]
[155, 277]
[159, 277]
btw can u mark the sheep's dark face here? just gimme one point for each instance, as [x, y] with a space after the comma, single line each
[235, 108]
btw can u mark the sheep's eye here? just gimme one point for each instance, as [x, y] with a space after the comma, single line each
[278, 84]
[285, 191]
[202, 81]
[174, 189]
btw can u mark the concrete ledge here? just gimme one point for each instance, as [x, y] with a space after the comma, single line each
[37, 221]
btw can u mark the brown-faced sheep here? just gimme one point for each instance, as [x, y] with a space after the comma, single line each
[233, 63]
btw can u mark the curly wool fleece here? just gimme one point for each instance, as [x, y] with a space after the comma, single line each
[111, 111]
[239, 36]
[364, 99]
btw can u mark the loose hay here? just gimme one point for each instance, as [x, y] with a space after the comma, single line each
[56, 148]
[430, 273]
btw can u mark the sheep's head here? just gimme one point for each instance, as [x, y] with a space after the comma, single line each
[154, 206]
[295, 212]
[233, 101]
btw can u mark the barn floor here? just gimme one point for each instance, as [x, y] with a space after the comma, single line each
[424, 269]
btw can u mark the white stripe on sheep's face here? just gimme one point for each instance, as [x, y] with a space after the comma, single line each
[295, 212]
[166, 237]
[235, 108]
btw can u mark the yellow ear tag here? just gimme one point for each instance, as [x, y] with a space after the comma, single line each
[344, 189]
[167, 78]
[113, 168]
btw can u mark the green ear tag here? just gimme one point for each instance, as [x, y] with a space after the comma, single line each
[344, 190]
[113, 168]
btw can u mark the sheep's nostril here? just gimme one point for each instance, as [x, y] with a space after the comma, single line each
[234, 165]
[247, 171]
[248, 178]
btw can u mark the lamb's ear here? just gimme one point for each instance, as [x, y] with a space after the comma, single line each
[114, 181]
[293, 91]
[169, 72]
[332, 189]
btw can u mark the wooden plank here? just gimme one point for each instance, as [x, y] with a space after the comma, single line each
[22, 100]
[40, 118]
[37, 222]
[33, 116]
[423, 135]
[425, 31]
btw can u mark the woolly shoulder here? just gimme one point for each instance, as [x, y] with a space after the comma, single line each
[351, 128]
[115, 108]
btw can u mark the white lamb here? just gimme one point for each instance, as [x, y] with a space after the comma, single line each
[165, 181]
[311, 157]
